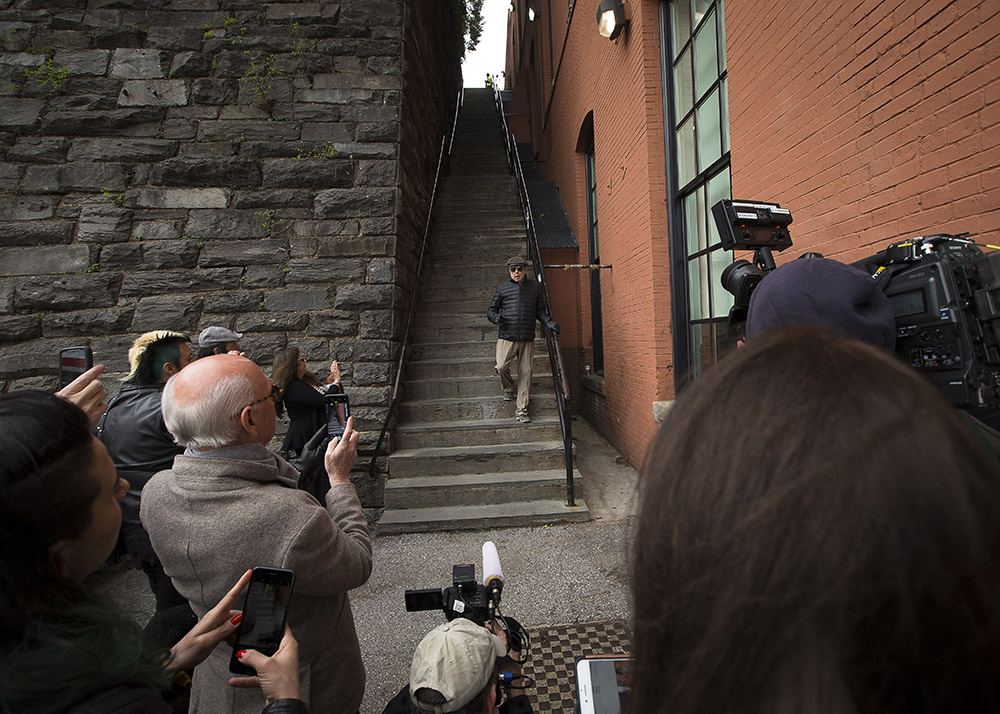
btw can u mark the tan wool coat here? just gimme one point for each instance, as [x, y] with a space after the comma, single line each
[217, 513]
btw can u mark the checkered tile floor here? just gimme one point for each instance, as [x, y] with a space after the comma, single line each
[554, 650]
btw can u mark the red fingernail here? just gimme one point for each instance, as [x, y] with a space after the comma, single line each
[239, 655]
[236, 620]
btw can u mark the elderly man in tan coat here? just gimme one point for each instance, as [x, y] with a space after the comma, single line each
[229, 504]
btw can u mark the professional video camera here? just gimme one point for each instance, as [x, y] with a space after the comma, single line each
[944, 291]
[466, 597]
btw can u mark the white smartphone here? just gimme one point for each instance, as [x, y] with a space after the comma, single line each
[603, 684]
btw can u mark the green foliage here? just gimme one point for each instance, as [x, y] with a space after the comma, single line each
[258, 79]
[326, 151]
[115, 198]
[267, 219]
[472, 26]
[49, 75]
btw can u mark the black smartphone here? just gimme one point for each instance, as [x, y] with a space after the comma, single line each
[265, 611]
[74, 361]
[603, 684]
[338, 409]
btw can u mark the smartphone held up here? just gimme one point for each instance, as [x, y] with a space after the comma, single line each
[603, 684]
[265, 612]
[338, 409]
[74, 361]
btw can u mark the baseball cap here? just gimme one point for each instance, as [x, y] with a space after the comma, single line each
[456, 659]
[826, 293]
[517, 260]
[214, 335]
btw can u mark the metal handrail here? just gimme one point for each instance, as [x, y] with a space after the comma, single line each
[552, 344]
[370, 472]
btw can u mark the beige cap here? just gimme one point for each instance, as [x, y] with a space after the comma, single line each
[457, 659]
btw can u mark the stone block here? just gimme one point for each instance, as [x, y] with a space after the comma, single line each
[355, 351]
[294, 299]
[271, 322]
[44, 260]
[378, 325]
[157, 230]
[308, 173]
[175, 38]
[372, 172]
[104, 224]
[153, 93]
[370, 396]
[247, 130]
[86, 323]
[315, 270]
[206, 172]
[364, 297]
[112, 352]
[173, 254]
[276, 198]
[333, 324]
[16, 36]
[264, 276]
[181, 129]
[125, 150]
[233, 301]
[130, 63]
[262, 348]
[190, 64]
[84, 62]
[68, 292]
[381, 270]
[354, 202]
[346, 247]
[230, 225]
[20, 328]
[27, 208]
[6, 296]
[308, 229]
[162, 282]
[82, 176]
[335, 96]
[378, 226]
[217, 253]
[181, 198]
[120, 122]
[214, 91]
[20, 112]
[38, 150]
[174, 312]
[32, 233]
[22, 60]
[367, 373]
[121, 256]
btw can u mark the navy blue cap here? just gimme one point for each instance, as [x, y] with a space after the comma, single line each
[827, 293]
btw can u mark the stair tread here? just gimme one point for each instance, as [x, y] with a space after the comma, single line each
[404, 482]
[494, 423]
[484, 512]
[519, 447]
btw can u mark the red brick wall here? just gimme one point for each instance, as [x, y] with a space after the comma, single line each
[620, 83]
[873, 121]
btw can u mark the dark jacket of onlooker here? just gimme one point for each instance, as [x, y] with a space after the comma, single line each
[306, 413]
[514, 309]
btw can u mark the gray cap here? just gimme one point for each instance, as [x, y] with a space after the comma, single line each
[517, 260]
[215, 335]
[456, 659]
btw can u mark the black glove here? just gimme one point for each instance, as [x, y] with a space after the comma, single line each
[554, 326]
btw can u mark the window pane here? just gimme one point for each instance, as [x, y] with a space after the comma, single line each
[681, 21]
[722, 299]
[722, 32]
[685, 152]
[697, 348]
[698, 287]
[694, 214]
[725, 343]
[706, 63]
[683, 86]
[709, 127]
[725, 116]
[700, 8]
[718, 189]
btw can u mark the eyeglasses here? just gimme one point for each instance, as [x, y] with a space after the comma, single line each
[517, 268]
[274, 395]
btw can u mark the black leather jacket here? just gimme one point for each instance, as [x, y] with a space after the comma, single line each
[137, 440]
[514, 309]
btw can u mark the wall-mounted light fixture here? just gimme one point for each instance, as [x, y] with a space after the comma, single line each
[531, 13]
[611, 18]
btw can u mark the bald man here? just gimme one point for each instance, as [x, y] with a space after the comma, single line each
[228, 504]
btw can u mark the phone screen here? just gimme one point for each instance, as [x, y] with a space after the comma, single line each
[74, 361]
[264, 614]
[338, 409]
[603, 684]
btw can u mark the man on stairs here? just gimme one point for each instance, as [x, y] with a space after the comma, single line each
[516, 304]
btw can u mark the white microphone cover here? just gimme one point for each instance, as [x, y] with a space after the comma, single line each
[491, 563]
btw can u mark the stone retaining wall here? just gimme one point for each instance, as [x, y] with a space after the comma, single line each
[177, 164]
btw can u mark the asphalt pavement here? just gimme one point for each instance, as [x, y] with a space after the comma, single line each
[554, 574]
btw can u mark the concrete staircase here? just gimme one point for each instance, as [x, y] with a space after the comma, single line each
[459, 458]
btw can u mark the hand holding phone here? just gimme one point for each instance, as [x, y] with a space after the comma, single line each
[73, 362]
[277, 675]
[88, 393]
[265, 612]
[341, 454]
[338, 410]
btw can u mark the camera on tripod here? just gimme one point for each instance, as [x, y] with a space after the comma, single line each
[466, 597]
[944, 292]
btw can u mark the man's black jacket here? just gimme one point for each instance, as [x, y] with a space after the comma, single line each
[515, 307]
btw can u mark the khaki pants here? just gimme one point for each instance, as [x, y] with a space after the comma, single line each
[524, 353]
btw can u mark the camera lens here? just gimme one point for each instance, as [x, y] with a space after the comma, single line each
[740, 278]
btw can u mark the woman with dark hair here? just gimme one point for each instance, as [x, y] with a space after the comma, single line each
[62, 647]
[818, 532]
[302, 395]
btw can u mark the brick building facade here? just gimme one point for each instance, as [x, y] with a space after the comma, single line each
[871, 121]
